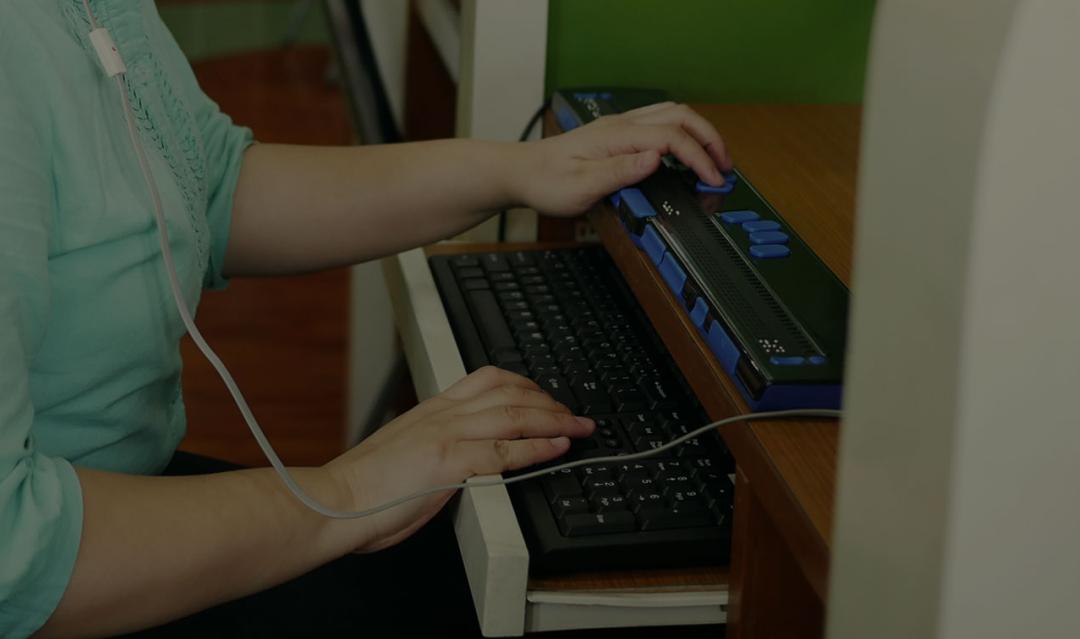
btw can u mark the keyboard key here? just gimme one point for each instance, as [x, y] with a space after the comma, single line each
[530, 337]
[596, 473]
[691, 449]
[575, 367]
[657, 517]
[597, 523]
[465, 260]
[494, 262]
[602, 488]
[627, 401]
[717, 493]
[633, 468]
[647, 500]
[556, 386]
[507, 356]
[511, 307]
[521, 258]
[592, 397]
[551, 317]
[607, 433]
[658, 393]
[672, 484]
[672, 467]
[475, 284]
[610, 504]
[602, 480]
[665, 518]
[634, 484]
[559, 486]
[570, 506]
[538, 360]
[612, 444]
[648, 443]
[687, 501]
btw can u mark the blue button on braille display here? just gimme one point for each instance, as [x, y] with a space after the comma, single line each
[699, 312]
[567, 120]
[787, 360]
[768, 237]
[760, 225]
[726, 187]
[769, 251]
[636, 201]
[738, 217]
[672, 273]
[816, 360]
[653, 245]
[730, 177]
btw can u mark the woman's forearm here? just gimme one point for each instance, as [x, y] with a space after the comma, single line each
[158, 548]
[302, 208]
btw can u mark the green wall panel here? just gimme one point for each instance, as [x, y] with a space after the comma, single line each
[713, 50]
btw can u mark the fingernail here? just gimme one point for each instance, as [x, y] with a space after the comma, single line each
[559, 442]
[585, 421]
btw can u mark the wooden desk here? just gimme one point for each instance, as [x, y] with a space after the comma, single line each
[802, 159]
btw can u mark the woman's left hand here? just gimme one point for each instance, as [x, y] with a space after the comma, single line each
[566, 174]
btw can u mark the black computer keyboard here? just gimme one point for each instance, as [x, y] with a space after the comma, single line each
[567, 320]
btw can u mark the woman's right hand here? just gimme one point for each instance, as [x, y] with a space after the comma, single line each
[489, 422]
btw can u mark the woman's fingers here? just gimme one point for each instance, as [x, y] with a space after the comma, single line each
[673, 139]
[520, 422]
[483, 380]
[490, 457]
[693, 123]
[510, 395]
[474, 385]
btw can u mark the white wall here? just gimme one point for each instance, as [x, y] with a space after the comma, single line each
[958, 513]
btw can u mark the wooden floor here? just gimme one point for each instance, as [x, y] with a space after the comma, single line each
[284, 339]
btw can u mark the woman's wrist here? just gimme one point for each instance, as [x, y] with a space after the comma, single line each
[516, 167]
[331, 537]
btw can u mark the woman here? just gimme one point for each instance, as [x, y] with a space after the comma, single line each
[93, 540]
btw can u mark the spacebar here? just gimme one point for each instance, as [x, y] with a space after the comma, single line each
[493, 329]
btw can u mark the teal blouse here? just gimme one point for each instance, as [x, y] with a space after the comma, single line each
[89, 337]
